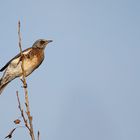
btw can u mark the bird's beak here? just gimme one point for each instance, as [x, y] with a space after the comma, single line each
[49, 41]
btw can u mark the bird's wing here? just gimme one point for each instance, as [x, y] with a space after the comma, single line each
[18, 55]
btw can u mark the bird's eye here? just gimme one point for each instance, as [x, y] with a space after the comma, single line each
[42, 42]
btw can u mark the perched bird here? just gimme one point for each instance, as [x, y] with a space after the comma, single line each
[32, 58]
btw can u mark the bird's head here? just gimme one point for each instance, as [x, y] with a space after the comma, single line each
[41, 43]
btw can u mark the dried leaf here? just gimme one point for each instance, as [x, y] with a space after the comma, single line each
[17, 121]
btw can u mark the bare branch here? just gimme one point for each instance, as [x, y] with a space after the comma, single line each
[25, 87]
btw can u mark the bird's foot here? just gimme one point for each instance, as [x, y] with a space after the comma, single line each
[24, 86]
[24, 83]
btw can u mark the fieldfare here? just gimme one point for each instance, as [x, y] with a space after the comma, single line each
[32, 58]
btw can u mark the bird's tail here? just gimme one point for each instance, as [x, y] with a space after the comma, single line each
[2, 86]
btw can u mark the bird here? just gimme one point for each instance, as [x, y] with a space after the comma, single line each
[32, 58]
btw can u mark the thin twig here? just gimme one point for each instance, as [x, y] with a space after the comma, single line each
[25, 87]
[22, 56]
[10, 134]
[12, 131]
[22, 113]
[38, 135]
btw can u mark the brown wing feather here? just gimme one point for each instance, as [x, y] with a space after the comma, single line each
[6, 65]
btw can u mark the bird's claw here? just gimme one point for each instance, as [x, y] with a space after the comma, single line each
[24, 86]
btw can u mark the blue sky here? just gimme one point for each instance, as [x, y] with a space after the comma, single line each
[88, 85]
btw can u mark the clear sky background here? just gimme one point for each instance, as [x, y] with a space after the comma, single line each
[88, 87]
